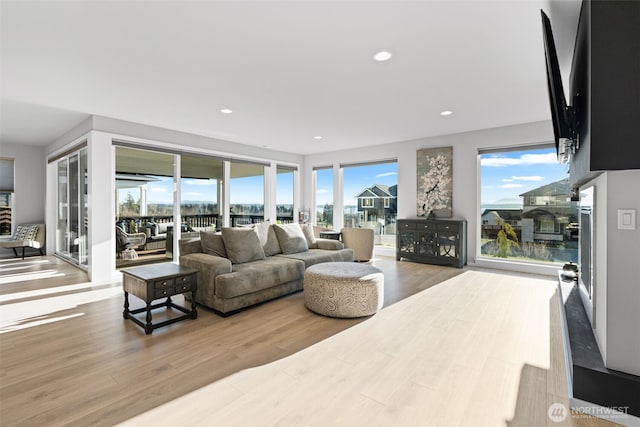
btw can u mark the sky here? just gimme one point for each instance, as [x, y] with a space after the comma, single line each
[355, 180]
[249, 190]
[504, 176]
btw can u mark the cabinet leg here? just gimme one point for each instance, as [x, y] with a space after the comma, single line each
[125, 313]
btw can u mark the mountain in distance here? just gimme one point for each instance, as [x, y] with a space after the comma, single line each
[506, 203]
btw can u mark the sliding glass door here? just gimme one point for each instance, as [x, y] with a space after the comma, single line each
[246, 192]
[144, 185]
[72, 211]
[201, 190]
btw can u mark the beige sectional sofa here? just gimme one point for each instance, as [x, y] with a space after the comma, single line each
[244, 266]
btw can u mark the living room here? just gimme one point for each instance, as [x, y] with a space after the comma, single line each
[276, 117]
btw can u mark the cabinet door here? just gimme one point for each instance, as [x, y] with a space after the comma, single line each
[427, 243]
[406, 242]
[448, 244]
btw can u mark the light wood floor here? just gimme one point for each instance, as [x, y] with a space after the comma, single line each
[450, 347]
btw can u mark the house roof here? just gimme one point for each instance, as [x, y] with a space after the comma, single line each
[378, 191]
[506, 214]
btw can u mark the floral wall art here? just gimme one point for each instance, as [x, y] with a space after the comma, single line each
[435, 177]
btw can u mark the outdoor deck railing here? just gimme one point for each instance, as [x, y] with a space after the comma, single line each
[138, 224]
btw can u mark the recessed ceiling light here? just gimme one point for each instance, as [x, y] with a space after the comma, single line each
[382, 56]
[226, 111]
[317, 137]
[446, 113]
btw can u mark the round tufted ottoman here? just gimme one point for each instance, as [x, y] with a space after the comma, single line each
[343, 289]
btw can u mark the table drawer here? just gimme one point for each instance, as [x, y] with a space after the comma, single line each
[163, 284]
[163, 292]
[425, 226]
[183, 286]
[183, 280]
[448, 227]
[407, 226]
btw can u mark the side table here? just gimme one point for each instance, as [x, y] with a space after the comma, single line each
[157, 281]
[335, 235]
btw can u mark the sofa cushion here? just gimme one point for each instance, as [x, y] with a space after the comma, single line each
[256, 276]
[213, 243]
[25, 232]
[268, 238]
[307, 230]
[316, 256]
[291, 238]
[162, 227]
[190, 246]
[242, 244]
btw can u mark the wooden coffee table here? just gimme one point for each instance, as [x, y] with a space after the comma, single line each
[157, 281]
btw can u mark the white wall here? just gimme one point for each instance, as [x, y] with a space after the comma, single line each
[29, 200]
[623, 274]
[466, 201]
[616, 294]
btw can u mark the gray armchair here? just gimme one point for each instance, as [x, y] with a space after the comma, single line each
[360, 240]
[26, 236]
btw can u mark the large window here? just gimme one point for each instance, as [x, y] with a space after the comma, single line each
[6, 195]
[324, 197]
[526, 208]
[246, 192]
[284, 194]
[201, 192]
[370, 199]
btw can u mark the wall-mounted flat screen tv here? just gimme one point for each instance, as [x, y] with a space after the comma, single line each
[561, 113]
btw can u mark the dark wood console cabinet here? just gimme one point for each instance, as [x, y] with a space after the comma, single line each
[432, 241]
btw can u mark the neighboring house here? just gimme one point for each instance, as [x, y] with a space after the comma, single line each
[378, 203]
[547, 211]
[494, 216]
[492, 219]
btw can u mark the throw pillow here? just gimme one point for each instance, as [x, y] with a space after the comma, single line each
[20, 232]
[32, 232]
[291, 238]
[213, 244]
[307, 230]
[268, 238]
[242, 245]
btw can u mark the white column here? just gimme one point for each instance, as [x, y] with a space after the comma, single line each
[51, 206]
[225, 214]
[338, 197]
[177, 215]
[222, 202]
[296, 195]
[102, 238]
[143, 200]
[270, 187]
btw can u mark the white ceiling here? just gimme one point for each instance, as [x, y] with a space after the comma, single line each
[288, 70]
